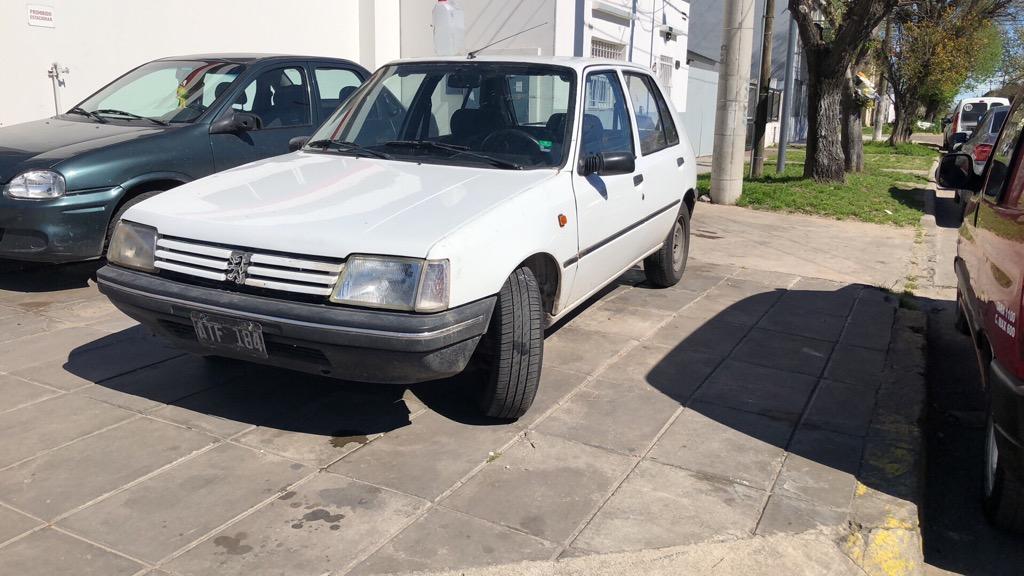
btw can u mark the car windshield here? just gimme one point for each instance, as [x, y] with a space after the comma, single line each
[163, 91]
[496, 114]
[972, 112]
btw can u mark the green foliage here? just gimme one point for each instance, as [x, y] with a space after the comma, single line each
[882, 194]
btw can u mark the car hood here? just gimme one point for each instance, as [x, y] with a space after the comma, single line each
[44, 143]
[330, 205]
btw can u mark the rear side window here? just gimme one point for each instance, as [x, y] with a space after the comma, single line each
[334, 85]
[998, 117]
[653, 118]
[1002, 154]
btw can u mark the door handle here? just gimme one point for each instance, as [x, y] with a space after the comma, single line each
[638, 179]
[680, 161]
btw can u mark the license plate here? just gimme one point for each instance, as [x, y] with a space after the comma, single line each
[242, 336]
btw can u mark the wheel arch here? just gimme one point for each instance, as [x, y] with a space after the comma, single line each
[147, 183]
[548, 273]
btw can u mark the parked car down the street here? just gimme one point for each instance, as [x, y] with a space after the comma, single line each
[958, 126]
[438, 221]
[979, 145]
[67, 179]
[990, 274]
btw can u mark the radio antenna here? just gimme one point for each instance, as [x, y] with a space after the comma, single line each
[473, 54]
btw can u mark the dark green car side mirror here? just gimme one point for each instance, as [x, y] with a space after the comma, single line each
[236, 122]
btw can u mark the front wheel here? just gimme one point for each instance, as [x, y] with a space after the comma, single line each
[665, 267]
[1004, 492]
[513, 348]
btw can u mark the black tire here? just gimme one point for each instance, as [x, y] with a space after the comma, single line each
[665, 267]
[120, 212]
[961, 324]
[1004, 492]
[513, 348]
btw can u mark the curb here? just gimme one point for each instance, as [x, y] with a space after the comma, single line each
[885, 531]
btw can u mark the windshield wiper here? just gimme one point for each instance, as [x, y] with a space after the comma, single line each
[110, 112]
[84, 112]
[494, 160]
[347, 146]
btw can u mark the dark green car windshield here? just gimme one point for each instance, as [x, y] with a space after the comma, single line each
[164, 91]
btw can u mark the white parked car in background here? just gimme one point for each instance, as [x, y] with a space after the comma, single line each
[439, 220]
[960, 124]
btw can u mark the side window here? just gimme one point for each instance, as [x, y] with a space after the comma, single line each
[280, 97]
[334, 85]
[1002, 155]
[653, 118]
[606, 126]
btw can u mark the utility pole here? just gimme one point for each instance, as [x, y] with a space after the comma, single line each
[882, 109]
[788, 96]
[56, 73]
[733, 93]
[764, 85]
[632, 26]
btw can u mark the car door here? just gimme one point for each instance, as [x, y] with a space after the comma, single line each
[659, 166]
[280, 97]
[609, 208]
[998, 233]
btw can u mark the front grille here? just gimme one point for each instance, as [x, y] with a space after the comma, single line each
[237, 266]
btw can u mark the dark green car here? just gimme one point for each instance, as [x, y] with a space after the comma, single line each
[66, 179]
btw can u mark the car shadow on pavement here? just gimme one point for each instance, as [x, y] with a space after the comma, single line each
[35, 278]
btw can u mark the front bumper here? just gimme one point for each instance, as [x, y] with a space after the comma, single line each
[65, 229]
[1008, 415]
[350, 343]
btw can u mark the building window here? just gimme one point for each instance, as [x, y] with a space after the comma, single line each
[605, 49]
[774, 104]
[665, 66]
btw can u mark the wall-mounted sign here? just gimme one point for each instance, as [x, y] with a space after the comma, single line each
[40, 15]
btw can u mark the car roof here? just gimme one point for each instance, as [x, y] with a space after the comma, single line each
[985, 99]
[574, 62]
[250, 57]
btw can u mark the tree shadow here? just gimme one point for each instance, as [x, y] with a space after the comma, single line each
[914, 198]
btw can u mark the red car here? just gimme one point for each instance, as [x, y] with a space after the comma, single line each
[990, 273]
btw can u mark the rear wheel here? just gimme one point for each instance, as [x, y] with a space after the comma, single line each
[665, 267]
[1004, 492]
[513, 348]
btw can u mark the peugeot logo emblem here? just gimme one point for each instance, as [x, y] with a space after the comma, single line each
[238, 267]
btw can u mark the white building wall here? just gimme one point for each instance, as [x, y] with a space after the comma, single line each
[98, 40]
[487, 21]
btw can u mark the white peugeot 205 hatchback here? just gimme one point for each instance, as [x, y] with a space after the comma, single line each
[441, 219]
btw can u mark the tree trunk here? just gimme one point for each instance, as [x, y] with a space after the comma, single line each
[825, 160]
[906, 107]
[853, 128]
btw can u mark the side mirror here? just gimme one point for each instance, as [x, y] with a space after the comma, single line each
[947, 120]
[608, 163]
[236, 122]
[961, 137]
[956, 172]
[297, 142]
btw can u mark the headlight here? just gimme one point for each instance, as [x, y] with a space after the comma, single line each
[36, 185]
[394, 283]
[133, 246]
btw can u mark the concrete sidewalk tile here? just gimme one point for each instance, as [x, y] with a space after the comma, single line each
[583, 351]
[321, 526]
[164, 513]
[331, 427]
[856, 365]
[54, 375]
[84, 311]
[447, 540]
[767, 391]
[118, 354]
[711, 336]
[28, 324]
[785, 515]
[66, 478]
[164, 383]
[841, 407]
[870, 325]
[555, 384]
[14, 524]
[52, 347]
[796, 319]
[427, 457]
[743, 310]
[821, 467]
[544, 486]
[731, 444]
[699, 278]
[783, 351]
[624, 417]
[813, 302]
[769, 278]
[52, 553]
[32, 429]
[894, 469]
[16, 392]
[737, 289]
[659, 506]
[675, 372]
[658, 299]
[616, 317]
